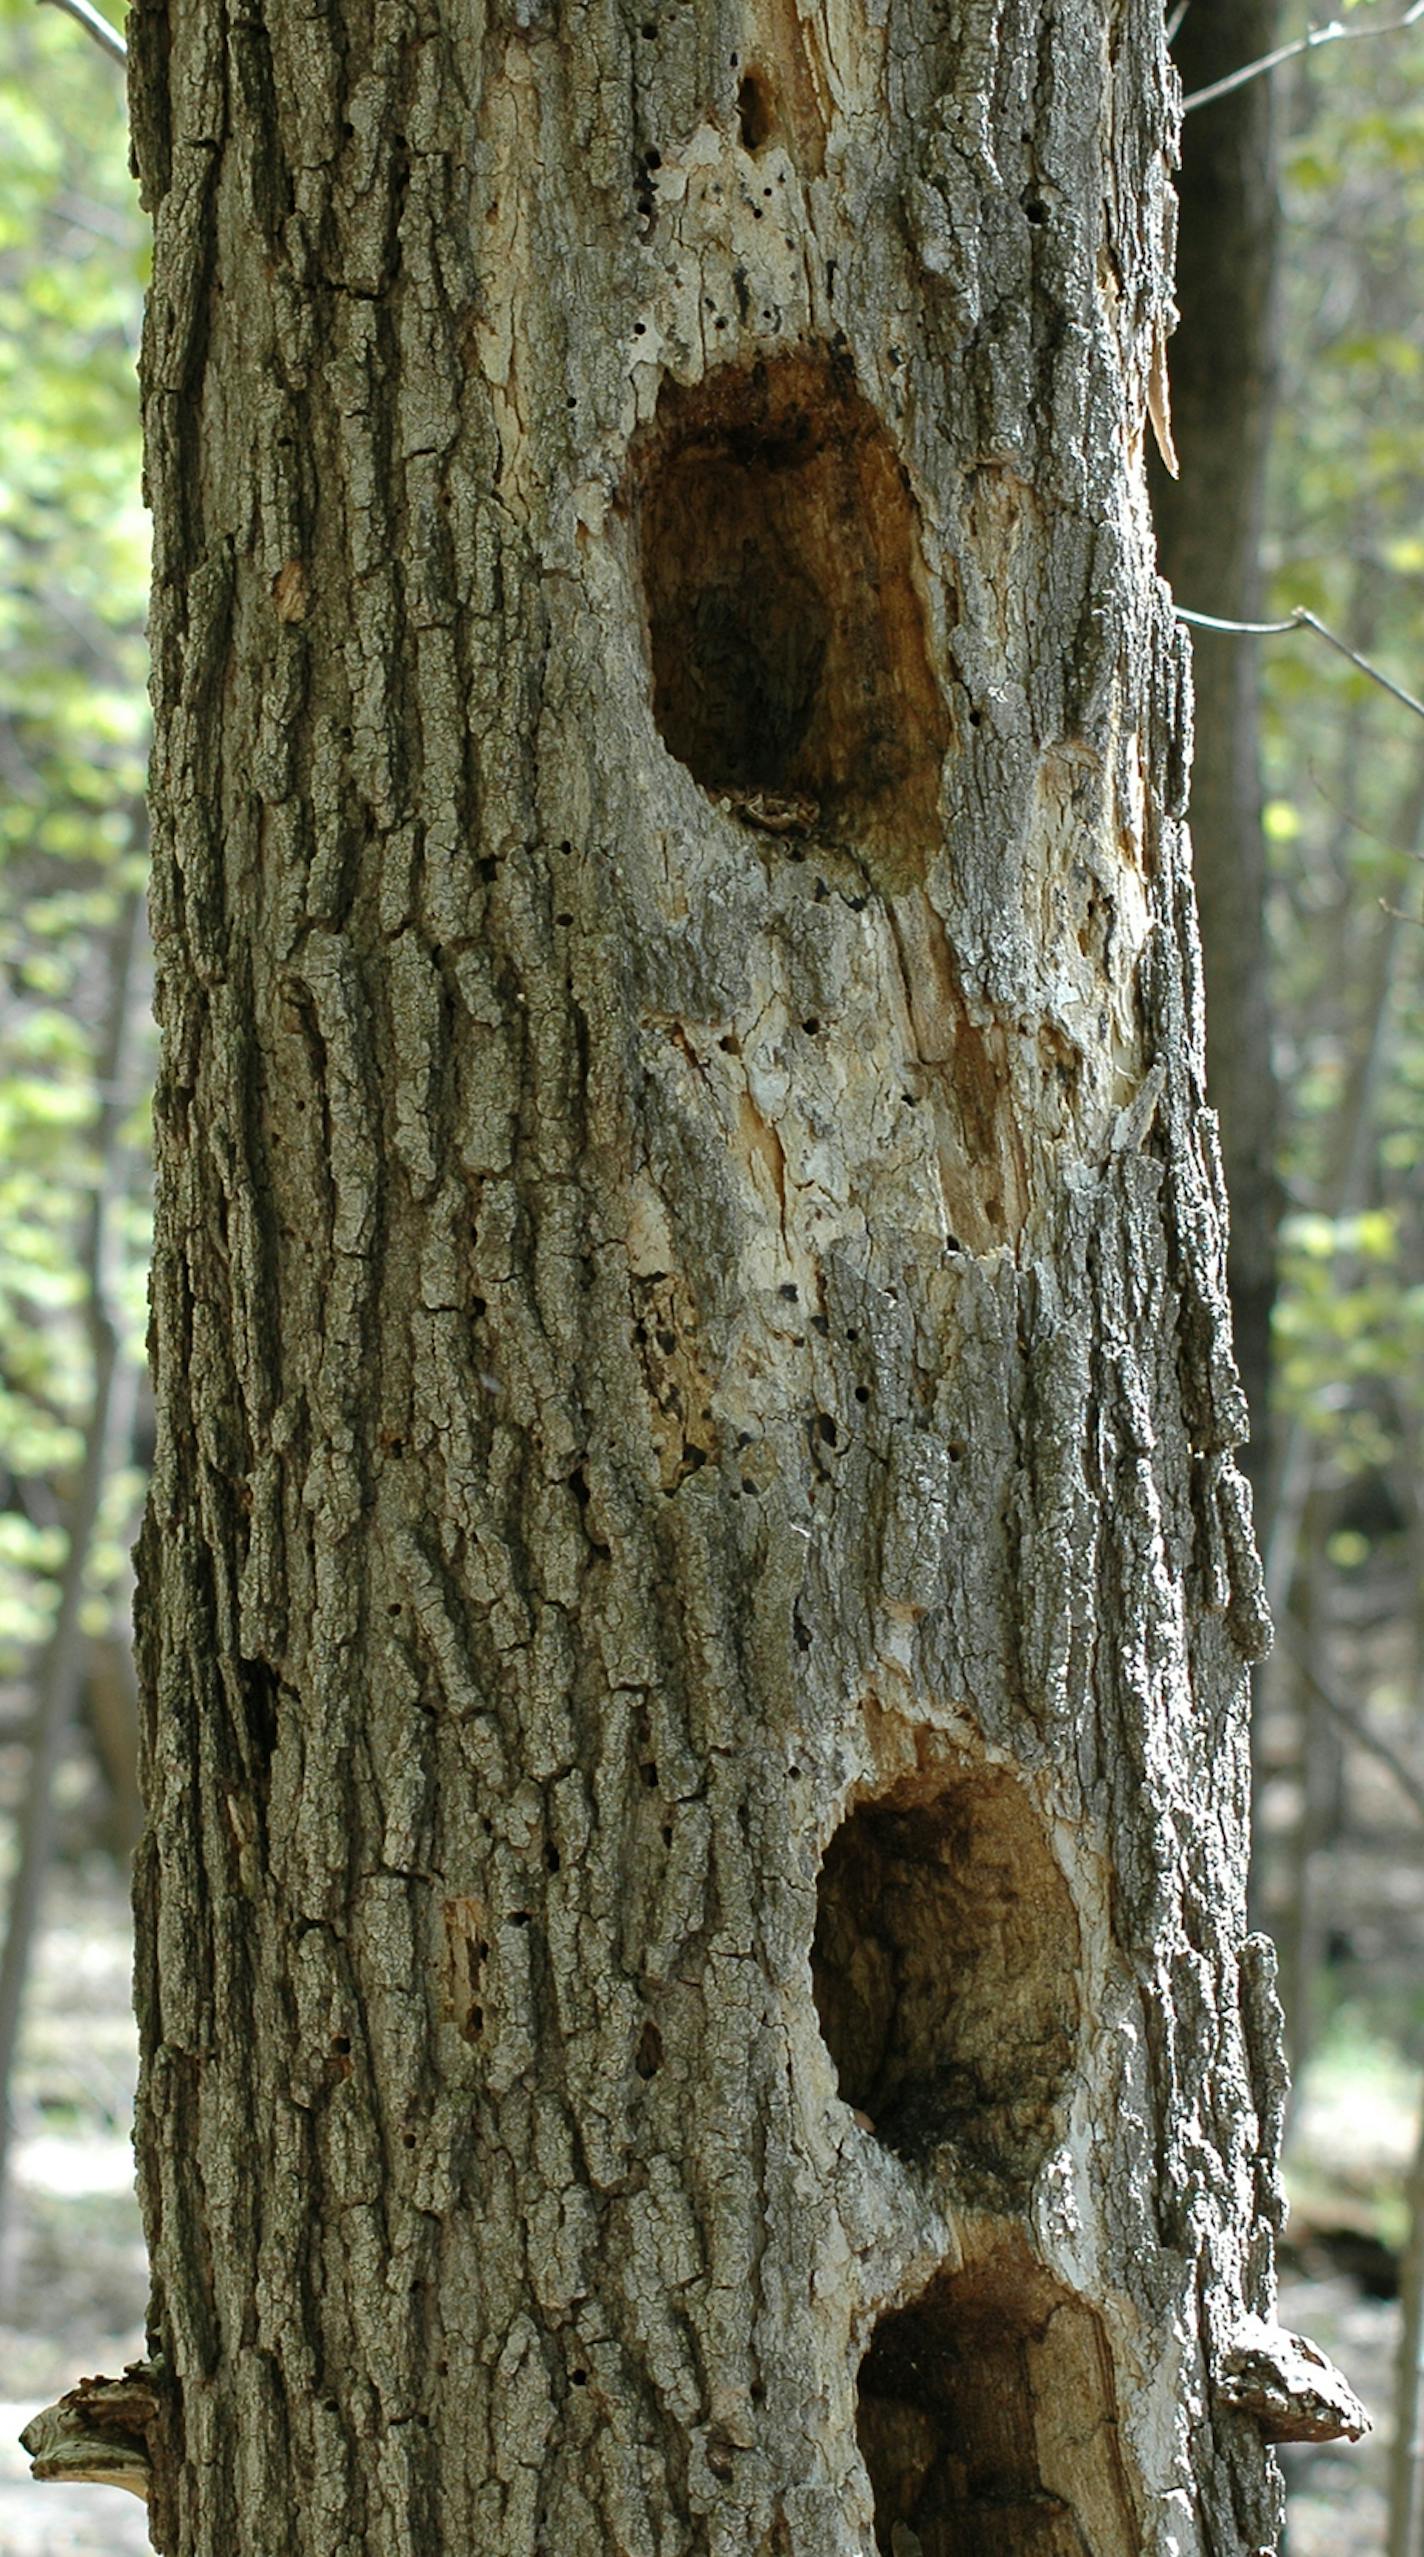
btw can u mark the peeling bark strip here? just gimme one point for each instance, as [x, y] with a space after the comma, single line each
[696, 1591]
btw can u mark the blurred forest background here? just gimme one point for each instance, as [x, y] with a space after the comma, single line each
[1299, 376]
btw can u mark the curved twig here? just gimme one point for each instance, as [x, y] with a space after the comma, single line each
[1300, 619]
[97, 25]
[1334, 33]
[1358, 1724]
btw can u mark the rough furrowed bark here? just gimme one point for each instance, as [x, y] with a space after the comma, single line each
[695, 1596]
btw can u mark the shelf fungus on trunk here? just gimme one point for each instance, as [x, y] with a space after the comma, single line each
[1287, 2384]
[97, 2434]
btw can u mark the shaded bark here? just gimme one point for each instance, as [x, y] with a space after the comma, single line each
[696, 1593]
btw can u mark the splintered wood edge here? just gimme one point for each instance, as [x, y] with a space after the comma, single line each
[96, 2435]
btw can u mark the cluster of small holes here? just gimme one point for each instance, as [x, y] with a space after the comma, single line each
[680, 1392]
[645, 198]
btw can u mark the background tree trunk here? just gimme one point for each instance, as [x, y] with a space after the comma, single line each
[696, 1595]
[1209, 523]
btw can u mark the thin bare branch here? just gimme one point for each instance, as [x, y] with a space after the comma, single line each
[1174, 23]
[1334, 33]
[96, 25]
[1300, 619]
[1358, 1724]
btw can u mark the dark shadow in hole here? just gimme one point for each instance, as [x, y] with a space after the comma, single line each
[755, 647]
[945, 1965]
[779, 550]
[987, 2421]
[756, 121]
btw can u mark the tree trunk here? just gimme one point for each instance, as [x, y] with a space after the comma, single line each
[695, 1600]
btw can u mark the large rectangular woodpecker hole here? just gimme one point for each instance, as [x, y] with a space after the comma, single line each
[945, 1970]
[987, 2421]
[778, 544]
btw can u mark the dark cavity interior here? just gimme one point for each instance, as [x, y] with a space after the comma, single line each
[987, 2421]
[945, 1966]
[779, 549]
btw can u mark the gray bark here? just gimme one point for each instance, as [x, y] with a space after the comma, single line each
[696, 1599]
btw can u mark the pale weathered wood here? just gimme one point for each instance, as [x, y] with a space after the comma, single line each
[689, 1313]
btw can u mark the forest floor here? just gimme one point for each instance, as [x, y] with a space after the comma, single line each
[73, 2272]
[1351, 2145]
[73, 2279]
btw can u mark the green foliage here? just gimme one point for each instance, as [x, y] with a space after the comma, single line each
[1345, 794]
[73, 742]
[1349, 1332]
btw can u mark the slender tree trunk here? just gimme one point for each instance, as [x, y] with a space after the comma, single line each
[1305, 1911]
[1406, 2467]
[58, 1673]
[1346, 1187]
[696, 1595]
[1209, 523]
